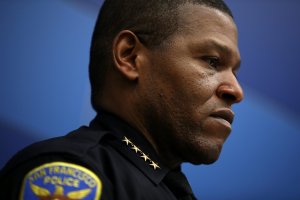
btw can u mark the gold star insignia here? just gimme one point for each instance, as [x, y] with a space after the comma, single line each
[140, 153]
[154, 165]
[135, 148]
[126, 140]
[145, 157]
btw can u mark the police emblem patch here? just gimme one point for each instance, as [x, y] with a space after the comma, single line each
[61, 181]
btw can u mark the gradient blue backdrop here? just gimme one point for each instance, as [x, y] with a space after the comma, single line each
[44, 90]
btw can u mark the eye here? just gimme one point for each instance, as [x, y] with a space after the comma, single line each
[212, 61]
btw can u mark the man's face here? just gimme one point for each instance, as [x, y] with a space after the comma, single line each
[189, 86]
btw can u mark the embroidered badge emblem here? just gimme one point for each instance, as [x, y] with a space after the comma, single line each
[61, 181]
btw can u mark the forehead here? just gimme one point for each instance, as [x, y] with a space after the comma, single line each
[193, 16]
[203, 27]
[201, 22]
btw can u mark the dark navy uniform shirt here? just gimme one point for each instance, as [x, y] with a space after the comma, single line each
[107, 160]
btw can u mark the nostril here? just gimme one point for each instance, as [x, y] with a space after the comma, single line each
[229, 97]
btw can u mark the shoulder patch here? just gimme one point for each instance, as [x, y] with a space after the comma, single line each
[61, 181]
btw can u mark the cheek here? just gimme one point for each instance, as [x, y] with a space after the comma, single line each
[196, 88]
[182, 85]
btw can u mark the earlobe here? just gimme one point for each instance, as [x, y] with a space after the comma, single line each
[125, 53]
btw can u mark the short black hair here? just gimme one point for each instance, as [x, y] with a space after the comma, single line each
[151, 20]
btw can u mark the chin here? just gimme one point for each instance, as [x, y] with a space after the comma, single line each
[204, 155]
[206, 160]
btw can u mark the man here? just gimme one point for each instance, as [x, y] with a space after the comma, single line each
[163, 77]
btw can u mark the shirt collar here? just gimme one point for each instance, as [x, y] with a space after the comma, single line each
[133, 145]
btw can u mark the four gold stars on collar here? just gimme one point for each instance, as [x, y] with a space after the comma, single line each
[142, 154]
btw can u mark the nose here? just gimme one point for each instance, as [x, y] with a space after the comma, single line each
[230, 90]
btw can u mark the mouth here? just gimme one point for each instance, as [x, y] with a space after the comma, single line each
[224, 115]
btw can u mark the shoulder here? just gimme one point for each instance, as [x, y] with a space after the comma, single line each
[77, 143]
[65, 165]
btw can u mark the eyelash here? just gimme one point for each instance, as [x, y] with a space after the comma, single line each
[213, 62]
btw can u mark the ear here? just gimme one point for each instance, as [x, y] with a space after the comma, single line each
[126, 48]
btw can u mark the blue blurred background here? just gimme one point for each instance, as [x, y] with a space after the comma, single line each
[44, 88]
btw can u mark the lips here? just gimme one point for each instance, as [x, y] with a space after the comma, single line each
[225, 114]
